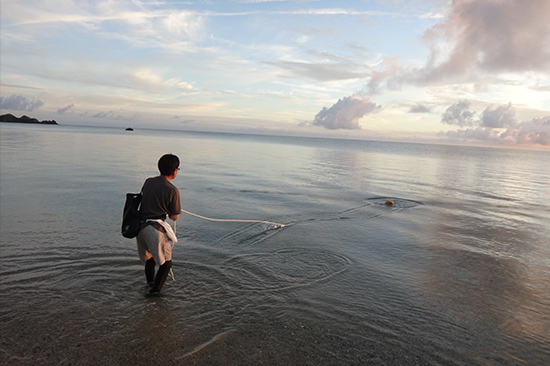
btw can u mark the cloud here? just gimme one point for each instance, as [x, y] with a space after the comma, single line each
[322, 70]
[477, 37]
[496, 124]
[20, 103]
[419, 108]
[496, 116]
[66, 109]
[183, 120]
[132, 21]
[534, 132]
[492, 36]
[147, 78]
[183, 23]
[478, 133]
[108, 115]
[459, 114]
[345, 113]
[389, 76]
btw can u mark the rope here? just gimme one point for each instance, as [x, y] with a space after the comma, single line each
[171, 271]
[278, 225]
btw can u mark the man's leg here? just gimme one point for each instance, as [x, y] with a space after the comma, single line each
[150, 271]
[162, 275]
[147, 234]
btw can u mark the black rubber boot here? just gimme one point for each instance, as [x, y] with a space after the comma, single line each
[150, 271]
[161, 277]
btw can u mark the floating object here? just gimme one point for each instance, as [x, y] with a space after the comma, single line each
[389, 203]
[129, 129]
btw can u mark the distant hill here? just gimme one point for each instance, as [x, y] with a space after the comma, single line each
[24, 119]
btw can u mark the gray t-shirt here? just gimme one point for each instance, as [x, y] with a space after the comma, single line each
[159, 198]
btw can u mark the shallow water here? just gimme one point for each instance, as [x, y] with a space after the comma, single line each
[454, 273]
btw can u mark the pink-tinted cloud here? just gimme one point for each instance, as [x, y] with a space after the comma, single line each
[534, 132]
[477, 37]
[491, 36]
[478, 133]
[497, 124]
[345, 113]
[388, 76]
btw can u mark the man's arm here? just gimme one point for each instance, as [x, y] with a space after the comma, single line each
[173, 217]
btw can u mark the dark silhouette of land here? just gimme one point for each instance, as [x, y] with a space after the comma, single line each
[24, 119]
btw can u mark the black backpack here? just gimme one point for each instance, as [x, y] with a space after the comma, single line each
[130, 216]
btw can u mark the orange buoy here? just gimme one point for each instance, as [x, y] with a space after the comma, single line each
[389, 203]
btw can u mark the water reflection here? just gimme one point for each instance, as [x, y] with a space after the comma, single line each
[477, 274]
[454, 273]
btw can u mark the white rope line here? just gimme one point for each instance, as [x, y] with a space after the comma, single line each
[171, 270]
[233, 220]
[277, 226]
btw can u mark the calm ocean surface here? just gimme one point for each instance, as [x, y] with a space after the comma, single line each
[457, 272]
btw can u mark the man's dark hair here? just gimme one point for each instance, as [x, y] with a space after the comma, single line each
[168, 163]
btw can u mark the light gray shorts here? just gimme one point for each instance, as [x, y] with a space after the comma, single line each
[153, 243]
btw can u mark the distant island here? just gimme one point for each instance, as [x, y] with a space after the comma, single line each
[24, 119]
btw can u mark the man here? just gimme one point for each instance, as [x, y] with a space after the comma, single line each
[160, 198]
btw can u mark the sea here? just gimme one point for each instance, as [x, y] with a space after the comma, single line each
[309, 264]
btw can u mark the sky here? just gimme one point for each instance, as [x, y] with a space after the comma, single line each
[435, 71]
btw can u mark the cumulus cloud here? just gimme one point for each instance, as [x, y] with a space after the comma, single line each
[478, 133]
[534, 132]
[493, 36]
[345, 113]
[65, 109]
[20, 103]
[498, 116]
[477, 37]
[459, 114]
[494, 116]
[497, 124]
